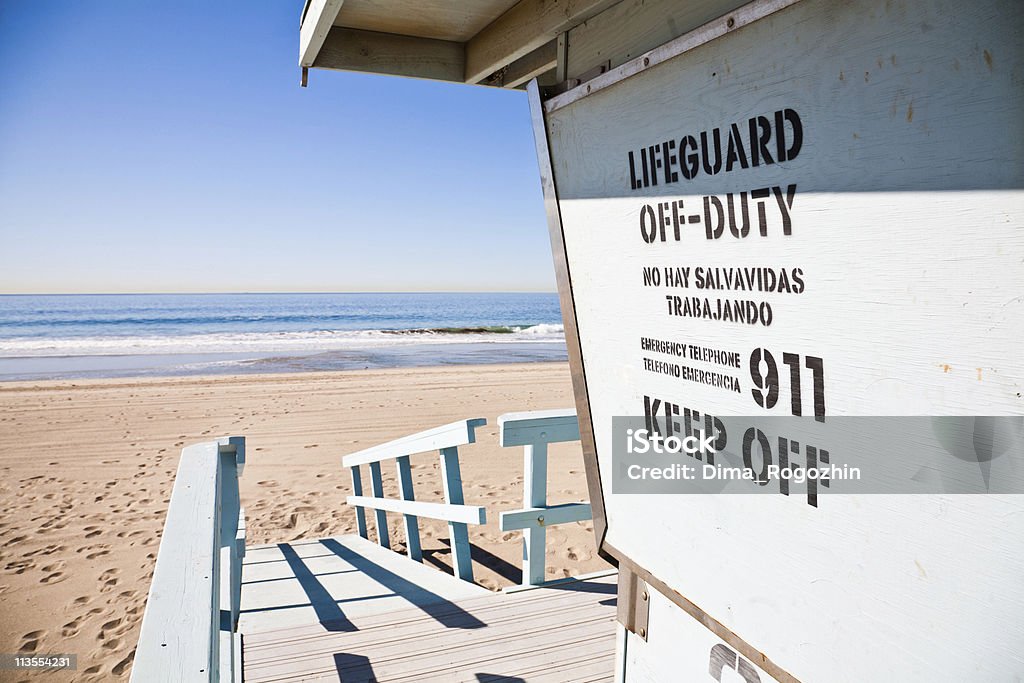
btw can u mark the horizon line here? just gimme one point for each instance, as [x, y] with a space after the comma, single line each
[242, 293]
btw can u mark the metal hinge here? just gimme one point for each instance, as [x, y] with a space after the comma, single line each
[634, 602]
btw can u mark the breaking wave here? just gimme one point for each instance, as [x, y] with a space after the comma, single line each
[272, 342]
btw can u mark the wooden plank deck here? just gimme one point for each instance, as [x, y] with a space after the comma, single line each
[333, 582]
[559, 633]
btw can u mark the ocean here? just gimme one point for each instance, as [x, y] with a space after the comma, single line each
[114, 335]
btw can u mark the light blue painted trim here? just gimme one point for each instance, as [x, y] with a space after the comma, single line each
[539, 518]
[462, 563]
[538, 426]
[198, 563]
[412, 526]
[535, 493]
[534, 430]
[357, 489]
[380, 516]
[446, 436]
[464, 514]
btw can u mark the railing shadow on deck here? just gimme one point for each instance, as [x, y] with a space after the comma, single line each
[498, 565]
[330, 615]
[442, 610]
[353, 668]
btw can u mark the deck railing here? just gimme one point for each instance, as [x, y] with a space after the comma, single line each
[446, 440]
[534, 431]
[188, 630]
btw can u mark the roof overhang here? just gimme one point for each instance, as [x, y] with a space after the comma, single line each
[502, 43]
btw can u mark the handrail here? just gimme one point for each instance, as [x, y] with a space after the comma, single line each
[538, 426]
[534, 430]
[445, 439]
[187, 635]
[446, 436]
[467, 514]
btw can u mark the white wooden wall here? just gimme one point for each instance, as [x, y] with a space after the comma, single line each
[908, 225]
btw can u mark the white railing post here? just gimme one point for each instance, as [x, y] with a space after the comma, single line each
[534, 431]
[380, 516]
[412, 525]
[232, 461]
[535, 495]
[458, 533]
[445, 439]
[357, 489]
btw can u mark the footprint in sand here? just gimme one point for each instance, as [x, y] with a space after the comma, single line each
[577, 554]
[18, 566]
[52, 578]
[47, 550]
[30, 641]
[70, 629]
[123, 665]
[113, 623]
[108, 579]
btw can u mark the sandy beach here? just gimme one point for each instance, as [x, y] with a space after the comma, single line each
[87, 469]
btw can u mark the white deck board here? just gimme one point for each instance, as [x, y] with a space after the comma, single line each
[332, 583]
[560, 633]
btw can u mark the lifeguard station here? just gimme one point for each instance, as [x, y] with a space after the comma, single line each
[800, 208]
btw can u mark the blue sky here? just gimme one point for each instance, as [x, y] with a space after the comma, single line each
[157, 147]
